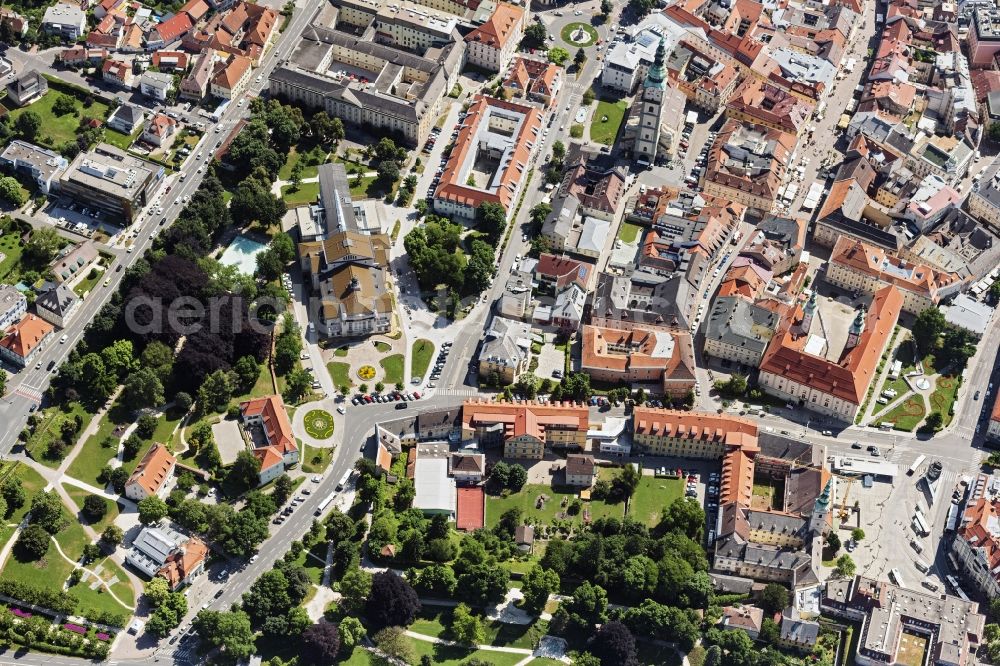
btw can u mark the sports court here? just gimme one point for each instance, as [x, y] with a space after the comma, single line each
[471, 509]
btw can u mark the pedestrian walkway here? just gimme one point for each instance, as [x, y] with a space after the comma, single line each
[92, 573]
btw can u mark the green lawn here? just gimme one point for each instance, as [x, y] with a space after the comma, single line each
[605, 130]
[48, 430]
[72, 538]
[943, 397]
[652, 496]
[365, 187]
[570, 28]
[31, 481]
[79, 495]
[59, 129]
[340, 373]
[315, 459]
[382, 347]
[123, 141]
[629, 232]
[308, 170]
[526, 498]
[341, 352]
[52, 570]
[436, 620]
[393, 368]
[422, 353]
[88, 463]
[98, 597]
[11, 247]
[908, 415]
[87, 284]
[165, 426]
[313, 561]
[304, 195]
[443, 655]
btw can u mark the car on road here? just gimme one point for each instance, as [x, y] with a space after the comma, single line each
[341, 410]
[976, 396]
[63, 339]
[827, 433]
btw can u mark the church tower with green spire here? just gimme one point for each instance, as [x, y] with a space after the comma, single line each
[651, 111]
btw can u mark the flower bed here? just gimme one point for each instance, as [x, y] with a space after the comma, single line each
[24, 615]
[75, 628]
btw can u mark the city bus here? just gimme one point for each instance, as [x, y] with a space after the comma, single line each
[916, 465]
[343, 480]
[896, 577]
[325, 503]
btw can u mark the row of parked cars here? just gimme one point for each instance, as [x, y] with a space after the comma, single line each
[393, 396]
[439, 365]
[292, 505]
[699, 165]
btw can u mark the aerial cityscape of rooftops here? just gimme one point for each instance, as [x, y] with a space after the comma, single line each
[500, 332]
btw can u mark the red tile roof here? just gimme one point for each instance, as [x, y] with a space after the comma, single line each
[23, 337]
[849, 378]
[174, 27]
[500, 27]
[181, 563]
[277, 427]
[526, 418]
[153, 470]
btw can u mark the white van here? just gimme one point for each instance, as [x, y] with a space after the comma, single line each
[922, 566]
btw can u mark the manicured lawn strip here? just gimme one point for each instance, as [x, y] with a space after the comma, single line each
[59, 129]
[11, 247]
[907, 415]
[264, 387]
[365, 187]
[48, 430]
[88, 463]
[423, 352]
[79, 495]
[311, 564]
[88, 283]
[443, 655]
[315, 459]
[525, 500]
[50, 572]
[305, 194]
[652, 497]
[165, 426]
[393, 368]
[629, 232]
[341, 352]
[97, 598]
[123, 141]
[382, 347]
[72, 538]
[605, 131]
[340, 373]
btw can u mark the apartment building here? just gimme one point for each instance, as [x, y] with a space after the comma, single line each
[640, 355]
[746, 164]
[977, 545]
[42, 165]
[151, 474]
[739, 330]
[23, 340]
[667, 432]
[13, 306]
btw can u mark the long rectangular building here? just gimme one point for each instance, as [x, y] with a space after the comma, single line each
[368, 84]
[525, 429]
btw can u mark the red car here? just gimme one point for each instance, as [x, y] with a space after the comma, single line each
[416, 396]
[367, 398]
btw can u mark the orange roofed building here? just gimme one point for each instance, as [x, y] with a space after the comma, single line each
[640, 355]
[24, 339]
[501, 135]
[492, 44]
[525, 429]
[865, 268]
[184, 564]
[977, 544]
[747, 164]
[278, 450]
[150, 476]
[796, 369]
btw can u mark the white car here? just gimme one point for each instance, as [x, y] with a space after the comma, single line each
[317, 478]
[340, 410]
[63, 339]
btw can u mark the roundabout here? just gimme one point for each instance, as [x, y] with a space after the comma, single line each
[366, 372]
[319, 424]
[579, 34]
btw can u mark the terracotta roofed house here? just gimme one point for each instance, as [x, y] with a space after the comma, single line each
[639, 355]
[747, 164]
[22, 340]
[977, 545]
[559, 272]
[278, 450]
[580, 470]
[232, 77]
[150, 476]
[491, 45]
[169, 31]
[184, 564]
